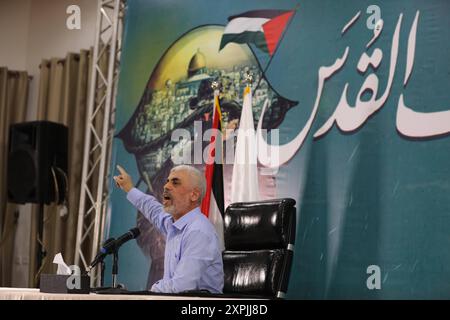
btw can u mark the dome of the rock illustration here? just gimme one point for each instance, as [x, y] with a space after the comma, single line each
[197, 64]
[179, 92]
[197, 53]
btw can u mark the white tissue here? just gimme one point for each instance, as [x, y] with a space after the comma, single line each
[62, 266]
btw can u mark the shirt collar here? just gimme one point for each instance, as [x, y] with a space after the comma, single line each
[187, 218]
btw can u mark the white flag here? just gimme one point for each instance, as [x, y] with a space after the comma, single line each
[244, 183]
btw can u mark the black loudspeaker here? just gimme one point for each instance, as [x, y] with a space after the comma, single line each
[37, 162]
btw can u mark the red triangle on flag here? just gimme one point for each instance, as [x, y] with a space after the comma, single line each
[273, 29]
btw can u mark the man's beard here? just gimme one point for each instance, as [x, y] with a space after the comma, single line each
[168, 204]
[169, 208]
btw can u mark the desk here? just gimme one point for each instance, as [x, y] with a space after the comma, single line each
[35, 294]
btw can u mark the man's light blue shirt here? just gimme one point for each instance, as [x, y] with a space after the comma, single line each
[192, 259]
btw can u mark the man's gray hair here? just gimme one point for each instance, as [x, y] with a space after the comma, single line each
[197, 178]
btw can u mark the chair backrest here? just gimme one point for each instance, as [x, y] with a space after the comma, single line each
[259, 243]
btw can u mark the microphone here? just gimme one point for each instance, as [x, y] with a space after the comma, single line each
[111, 245]
[130, 235]
[101, 255]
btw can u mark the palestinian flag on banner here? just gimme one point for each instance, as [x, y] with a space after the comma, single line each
[213, 202]
[264, 28]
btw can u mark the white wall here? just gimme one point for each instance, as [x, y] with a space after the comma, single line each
[49, 36]
[14, 25]
[32, 30]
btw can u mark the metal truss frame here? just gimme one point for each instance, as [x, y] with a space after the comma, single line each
[94, 195]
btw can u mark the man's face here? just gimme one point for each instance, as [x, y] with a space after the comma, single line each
[179, 197]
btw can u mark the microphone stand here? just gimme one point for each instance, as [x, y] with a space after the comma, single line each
[102, 274]
[112, 246]
[115, 267]
[115, 288]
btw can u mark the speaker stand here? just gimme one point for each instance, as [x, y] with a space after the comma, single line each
[40, 252]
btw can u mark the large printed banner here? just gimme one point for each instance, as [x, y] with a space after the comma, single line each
[350, 97]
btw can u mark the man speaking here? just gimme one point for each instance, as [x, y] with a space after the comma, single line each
[192, 258]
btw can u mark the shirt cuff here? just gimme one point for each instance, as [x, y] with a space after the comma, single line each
[155, 287]
[134, 195]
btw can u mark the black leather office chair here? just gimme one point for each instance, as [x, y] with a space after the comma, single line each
[259, 244]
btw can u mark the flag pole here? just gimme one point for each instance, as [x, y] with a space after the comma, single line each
[209, 167]
[248, 79]
[278, 45]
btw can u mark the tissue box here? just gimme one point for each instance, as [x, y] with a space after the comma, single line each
[57, 283]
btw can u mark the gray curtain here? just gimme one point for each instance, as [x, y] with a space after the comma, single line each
[63, 97]
[13, 102]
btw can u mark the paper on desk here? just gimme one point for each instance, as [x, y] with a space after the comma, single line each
[62, 266]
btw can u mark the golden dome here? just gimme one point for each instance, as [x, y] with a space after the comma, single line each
[197, 62]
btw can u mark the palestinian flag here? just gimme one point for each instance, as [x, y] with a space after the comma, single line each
[264, 28]
[213, 202]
